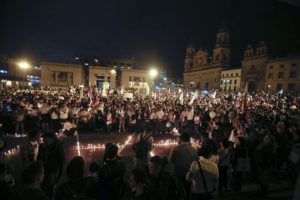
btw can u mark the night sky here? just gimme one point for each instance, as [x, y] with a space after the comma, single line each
[153, 32]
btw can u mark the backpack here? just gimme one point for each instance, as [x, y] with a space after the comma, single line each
[142, 147]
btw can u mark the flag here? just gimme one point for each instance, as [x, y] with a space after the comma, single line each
[245, 105]
[194, 98]
[213, 95]
[181, 98]
[147, 90]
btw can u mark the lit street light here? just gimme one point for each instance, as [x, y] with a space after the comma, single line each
[113, 72]
[23, 65]
[153, 73]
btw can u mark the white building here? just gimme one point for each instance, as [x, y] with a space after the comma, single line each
[135, 78]
[230, 79]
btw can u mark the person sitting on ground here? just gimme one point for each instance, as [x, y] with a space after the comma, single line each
[69, 128]
[77, 186]
[33, 176]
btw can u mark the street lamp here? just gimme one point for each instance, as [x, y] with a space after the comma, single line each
[153, 73]
[113, 72]
[24, 65]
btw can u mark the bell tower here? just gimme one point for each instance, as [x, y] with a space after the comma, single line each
[189, 57]
[221, 52]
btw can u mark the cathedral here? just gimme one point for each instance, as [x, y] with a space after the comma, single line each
[203, 71]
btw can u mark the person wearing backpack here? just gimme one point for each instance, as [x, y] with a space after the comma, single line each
[204, 175]
[142, 150]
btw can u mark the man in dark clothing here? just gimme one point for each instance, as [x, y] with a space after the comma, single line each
[33, 176]
[182, 157]
[167, 186]
[110, 176]
[51, 152]
[77, 186]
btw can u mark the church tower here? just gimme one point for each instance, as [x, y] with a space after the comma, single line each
[189, 57]
[221, 52]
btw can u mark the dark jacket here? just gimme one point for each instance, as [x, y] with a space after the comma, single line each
[110, 179]
[82, 188]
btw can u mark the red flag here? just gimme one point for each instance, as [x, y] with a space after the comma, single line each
[245, 105]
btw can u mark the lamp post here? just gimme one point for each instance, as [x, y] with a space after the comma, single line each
[25, 66]
[153, 73]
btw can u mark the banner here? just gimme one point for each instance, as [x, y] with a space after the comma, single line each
[147, 90]
[105, 88]
[128, 95]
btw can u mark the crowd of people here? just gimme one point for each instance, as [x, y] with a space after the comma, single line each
[243, 135]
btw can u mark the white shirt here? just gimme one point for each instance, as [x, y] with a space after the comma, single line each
[210, 172]
[190, 114]
[160, 114]
[63, 113]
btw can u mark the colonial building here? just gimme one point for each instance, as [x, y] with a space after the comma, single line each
[230, 80]
[64, 75]
[135, 78]
[264, 73]
[283, 74]
[203, 71]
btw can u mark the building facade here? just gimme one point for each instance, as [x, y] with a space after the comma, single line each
[203, 71]
[98, 75]
[61, 74]
[230, 80]
[65, 75]
[135, 78]
[263, 73]
[283, 74]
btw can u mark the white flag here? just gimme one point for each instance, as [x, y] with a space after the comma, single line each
[194, 98]
[181, 98]
[147, 90]
[213, 95]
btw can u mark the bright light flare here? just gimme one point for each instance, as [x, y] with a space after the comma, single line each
[23, 65]
[153, 73]
[113, 71]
